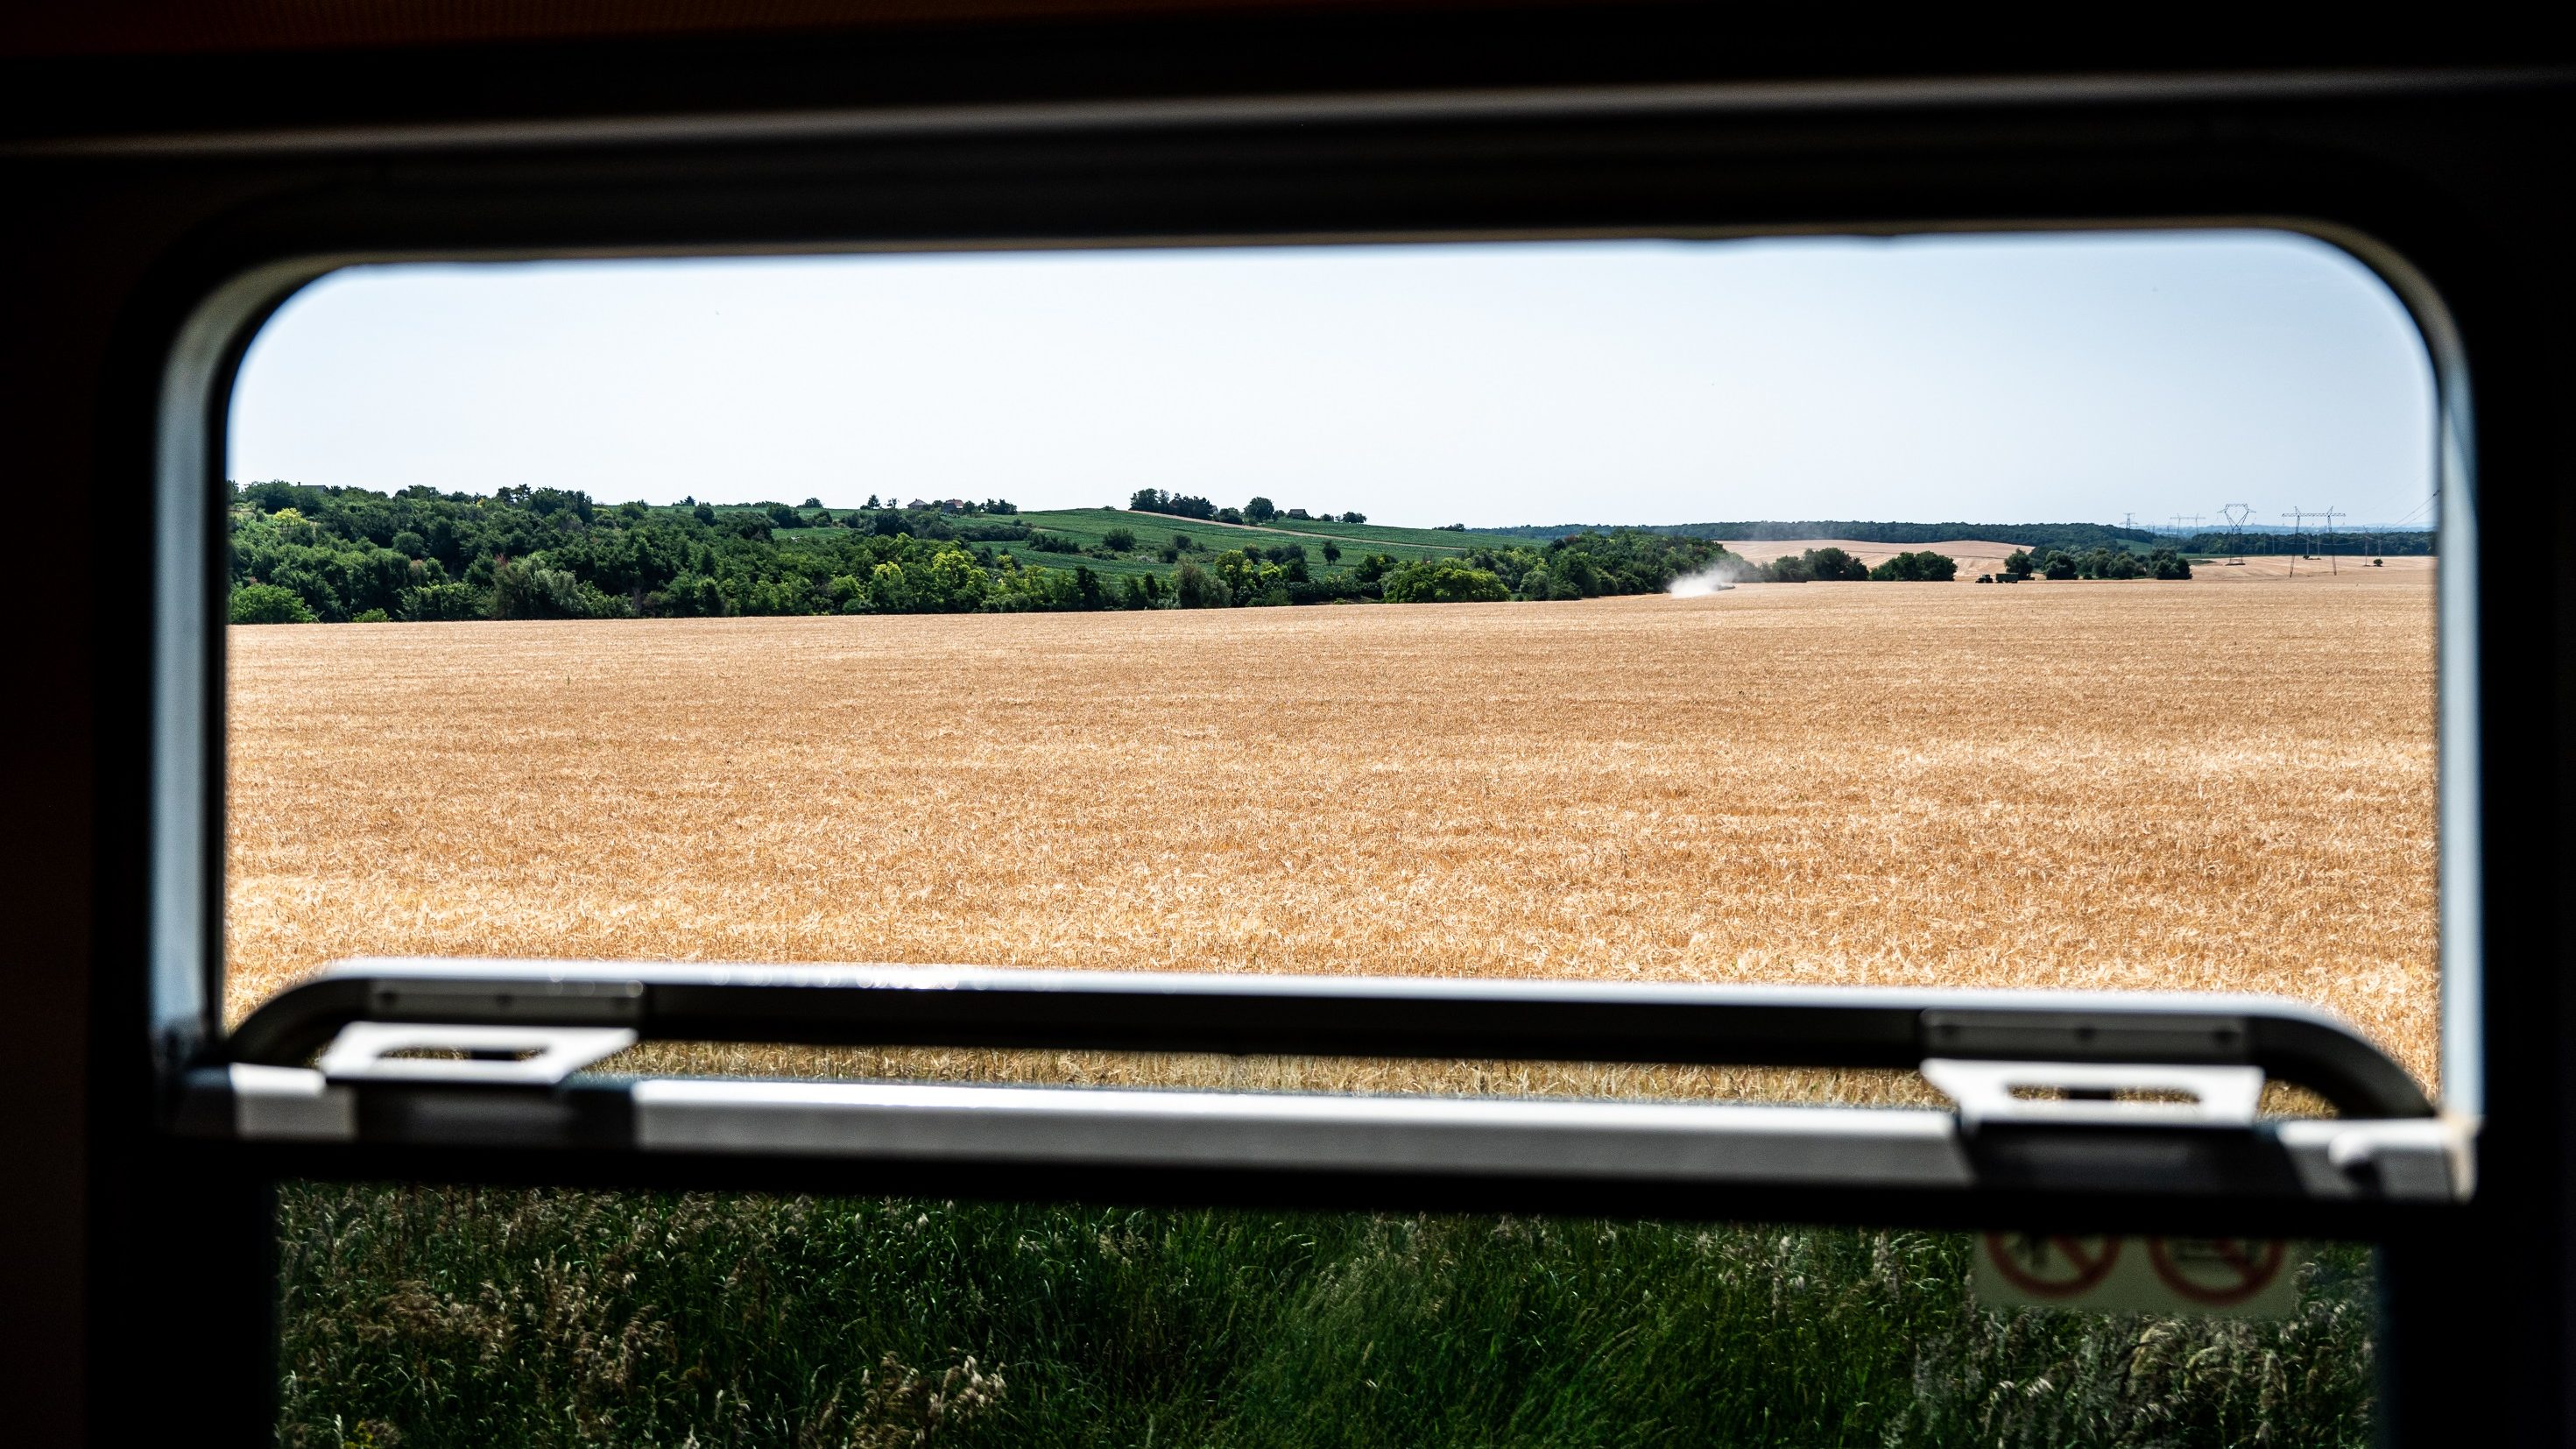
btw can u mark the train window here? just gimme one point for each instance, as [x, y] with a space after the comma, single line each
[1502, 717]
[905, 610]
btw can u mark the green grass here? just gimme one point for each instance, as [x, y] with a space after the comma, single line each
[1405, 545]
[1437, 540]
[428, 1317]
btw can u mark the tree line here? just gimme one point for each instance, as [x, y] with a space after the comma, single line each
[1255, 512]
[2071, 537]
[303, 554]
[2095, 563]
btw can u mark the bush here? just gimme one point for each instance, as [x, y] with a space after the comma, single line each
[371, 616]
[1194, 588]
[1926, 567]
[439, 603]
[1444, 581]
[1119, 540]
[269, 604]
[1823, 565]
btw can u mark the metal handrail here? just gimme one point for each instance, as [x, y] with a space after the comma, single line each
[1622, 1022]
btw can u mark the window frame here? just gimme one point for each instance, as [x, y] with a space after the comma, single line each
[187, 964]
[2127, 158]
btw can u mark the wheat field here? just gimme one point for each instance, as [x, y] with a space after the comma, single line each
[2125, 785]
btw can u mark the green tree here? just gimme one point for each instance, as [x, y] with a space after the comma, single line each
[1923, 567]
[2017, 564]
[1831, 566]
[1332, 552]
[269, 604]
[1119, 540]
[1260, 510]
[1194, 588]
[1443, 581]
[439, 604]
[889, 588]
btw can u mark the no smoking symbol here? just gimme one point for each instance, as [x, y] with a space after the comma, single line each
[2216, 1272]
[2046, 1266]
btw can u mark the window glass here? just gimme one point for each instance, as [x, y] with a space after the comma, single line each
[1610, 610]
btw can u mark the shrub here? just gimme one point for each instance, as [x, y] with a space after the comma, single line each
[1925, 567]
[1826, 565]
[1195, 588]
[371, 616]
[1443, 581]
[1119, 540]
[269, 604]
[1832, 565]
[439, 603]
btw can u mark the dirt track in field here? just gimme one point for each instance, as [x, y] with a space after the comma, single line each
[2131, 785]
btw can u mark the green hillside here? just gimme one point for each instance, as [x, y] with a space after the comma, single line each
[1090, 528]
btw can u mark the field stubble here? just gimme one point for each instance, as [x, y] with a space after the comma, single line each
[2120, 785]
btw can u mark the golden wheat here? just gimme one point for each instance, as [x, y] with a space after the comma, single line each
[2128, 785]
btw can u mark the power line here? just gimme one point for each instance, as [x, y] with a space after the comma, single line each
[2236, 514]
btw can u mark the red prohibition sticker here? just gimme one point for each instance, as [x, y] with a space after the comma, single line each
[2052, 1266]
[2217, 1272]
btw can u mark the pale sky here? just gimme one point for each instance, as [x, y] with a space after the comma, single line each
[1987, 380]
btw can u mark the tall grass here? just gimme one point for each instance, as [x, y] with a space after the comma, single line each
[423, 1317]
